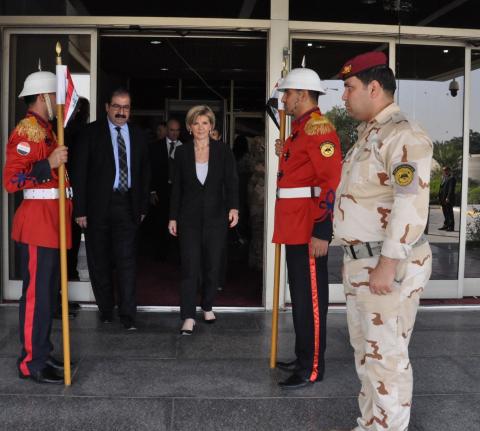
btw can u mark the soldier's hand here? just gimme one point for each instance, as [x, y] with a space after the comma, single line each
[319, 247]
[82, 222]
[172, 227]
[279, 147]
[58, 157]
[383, 275]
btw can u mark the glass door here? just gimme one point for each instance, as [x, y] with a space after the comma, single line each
[472, 253]
[24, 50]
[430, 81]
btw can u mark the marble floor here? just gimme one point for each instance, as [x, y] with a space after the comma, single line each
[219, 379]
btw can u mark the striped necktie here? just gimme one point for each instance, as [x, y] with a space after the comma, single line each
[122, 162]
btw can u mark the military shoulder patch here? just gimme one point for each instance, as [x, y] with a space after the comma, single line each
[327, 149]
[406, 177]
[318, 125]
[30, 129]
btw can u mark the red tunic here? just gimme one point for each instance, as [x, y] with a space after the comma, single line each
[311, 157]
[36, 221]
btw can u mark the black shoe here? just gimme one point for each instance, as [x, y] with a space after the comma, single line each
[128, 324]
[47, 375]
[74, 306]
[450, 229]
[54, 363]
[296, 382]
[288, 366]
[106, 317]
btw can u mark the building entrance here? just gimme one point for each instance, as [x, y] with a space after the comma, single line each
[166, 75]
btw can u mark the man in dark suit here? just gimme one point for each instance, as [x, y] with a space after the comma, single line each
[111, 176]
[162, 155]
[446, 196]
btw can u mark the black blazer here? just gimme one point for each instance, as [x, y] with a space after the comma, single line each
[159, 165]
[93, 172]
[196, 205]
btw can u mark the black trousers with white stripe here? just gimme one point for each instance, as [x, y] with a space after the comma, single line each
[308, 282]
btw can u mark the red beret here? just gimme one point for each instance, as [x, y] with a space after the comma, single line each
[362, 62]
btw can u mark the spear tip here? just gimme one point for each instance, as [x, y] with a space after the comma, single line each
[58, 49]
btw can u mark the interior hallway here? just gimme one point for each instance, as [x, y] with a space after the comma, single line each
[218, 379]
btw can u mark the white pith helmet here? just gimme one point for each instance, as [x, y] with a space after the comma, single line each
[39, 83]
[302, 79]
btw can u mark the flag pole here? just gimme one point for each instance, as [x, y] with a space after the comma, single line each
[63, 239]
[278, 252]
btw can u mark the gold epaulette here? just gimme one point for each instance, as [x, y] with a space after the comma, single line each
[31, 130]
[319, 125]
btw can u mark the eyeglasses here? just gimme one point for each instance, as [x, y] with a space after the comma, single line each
[117, 107]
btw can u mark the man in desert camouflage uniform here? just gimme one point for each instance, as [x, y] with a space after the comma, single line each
[380, 214]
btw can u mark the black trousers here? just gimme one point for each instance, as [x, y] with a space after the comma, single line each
[201, 259]
[40, 267]
[447, 209]
[308, 282]
[111, 243]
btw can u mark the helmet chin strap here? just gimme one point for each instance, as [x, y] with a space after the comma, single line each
[51, 115]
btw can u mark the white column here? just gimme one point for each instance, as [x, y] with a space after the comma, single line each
[278, 40]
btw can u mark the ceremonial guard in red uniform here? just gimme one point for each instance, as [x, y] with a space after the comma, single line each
[309, 172]
[31, 165]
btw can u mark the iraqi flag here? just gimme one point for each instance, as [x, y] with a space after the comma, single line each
[66, 93]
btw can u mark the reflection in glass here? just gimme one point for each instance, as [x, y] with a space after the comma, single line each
[430, 91]
[472, 255]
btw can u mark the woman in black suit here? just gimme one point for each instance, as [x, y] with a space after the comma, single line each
[203, 203]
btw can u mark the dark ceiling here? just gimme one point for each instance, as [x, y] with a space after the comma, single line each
[205, 66]
[436, 13]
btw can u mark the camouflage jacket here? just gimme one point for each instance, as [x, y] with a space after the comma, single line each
[384, 189]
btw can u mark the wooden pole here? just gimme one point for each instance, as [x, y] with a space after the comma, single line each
[278, 255]
[276, 275]
[63, 241]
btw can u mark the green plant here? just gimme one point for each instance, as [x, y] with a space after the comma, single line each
[474, 195]
[346, 126]
[449, 153]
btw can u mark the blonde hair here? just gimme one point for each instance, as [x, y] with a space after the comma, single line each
[195, 111]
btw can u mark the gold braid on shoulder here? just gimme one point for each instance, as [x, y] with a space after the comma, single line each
[319, 125]
[31, 130]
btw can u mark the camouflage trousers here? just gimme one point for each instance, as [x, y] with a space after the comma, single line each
[380, 328]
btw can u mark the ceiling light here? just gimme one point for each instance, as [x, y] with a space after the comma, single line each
[164, 68]
[155, 42]
[309, 44]
[445, 51]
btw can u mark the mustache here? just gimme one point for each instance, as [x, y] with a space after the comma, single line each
[120, 116]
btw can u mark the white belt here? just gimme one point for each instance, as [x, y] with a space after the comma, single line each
[299, 192]
[45, 193]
